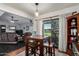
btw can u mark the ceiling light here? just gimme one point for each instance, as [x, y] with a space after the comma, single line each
[36, 12]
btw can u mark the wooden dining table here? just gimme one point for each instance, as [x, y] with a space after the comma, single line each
[38, 38]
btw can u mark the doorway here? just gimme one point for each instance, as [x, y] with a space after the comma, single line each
[51, 28]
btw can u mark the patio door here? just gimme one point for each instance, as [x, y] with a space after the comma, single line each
[47, 28]
[51, 28]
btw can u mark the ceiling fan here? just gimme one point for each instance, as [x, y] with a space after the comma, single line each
[12, 19]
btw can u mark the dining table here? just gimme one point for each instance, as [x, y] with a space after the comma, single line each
[38, 38]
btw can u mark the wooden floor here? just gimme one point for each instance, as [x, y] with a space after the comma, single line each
[69, 52]
[22, 48]
[15, 52]
[18, 51]
[9, 48]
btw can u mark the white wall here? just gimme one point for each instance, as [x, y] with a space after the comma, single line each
[18, 26]
[6, 21]
[23, 27]
[7, 25]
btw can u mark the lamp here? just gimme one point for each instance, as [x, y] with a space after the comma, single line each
[36, 12]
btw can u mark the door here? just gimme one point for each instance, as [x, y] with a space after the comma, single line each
[55, 31]
[47, 28]
[51, 28]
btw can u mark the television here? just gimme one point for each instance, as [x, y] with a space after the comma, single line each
[19, 32]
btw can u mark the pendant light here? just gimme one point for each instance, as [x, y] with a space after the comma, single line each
[36, 12]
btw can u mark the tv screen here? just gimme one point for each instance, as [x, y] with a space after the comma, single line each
[19, 32]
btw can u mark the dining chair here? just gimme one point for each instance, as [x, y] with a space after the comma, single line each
[49, 46]
[26, 35]
[30, 44]
[33, 47]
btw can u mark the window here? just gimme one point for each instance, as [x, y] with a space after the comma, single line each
[47, 29]
[12, 27]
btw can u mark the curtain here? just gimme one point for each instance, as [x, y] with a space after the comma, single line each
[62, 33]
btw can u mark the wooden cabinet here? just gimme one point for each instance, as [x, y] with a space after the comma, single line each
[72, 30]
[78, 23]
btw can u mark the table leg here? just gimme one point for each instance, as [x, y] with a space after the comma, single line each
[41, 48]
[26, 48]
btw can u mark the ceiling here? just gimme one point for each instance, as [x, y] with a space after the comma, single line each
[44, 8]
[6, 17]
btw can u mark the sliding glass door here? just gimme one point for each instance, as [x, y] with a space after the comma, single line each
[47, 28]
[55, 31]
[51, 28]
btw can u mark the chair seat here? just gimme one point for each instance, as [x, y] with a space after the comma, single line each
[47, 45]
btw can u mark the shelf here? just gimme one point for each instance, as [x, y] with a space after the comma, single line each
[72, 35]
[71, 27]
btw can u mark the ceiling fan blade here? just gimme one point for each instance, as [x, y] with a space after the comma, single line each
[16, 20]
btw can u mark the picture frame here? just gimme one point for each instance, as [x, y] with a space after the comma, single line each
[27, 28]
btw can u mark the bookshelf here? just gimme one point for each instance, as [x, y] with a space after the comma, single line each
[72, 30]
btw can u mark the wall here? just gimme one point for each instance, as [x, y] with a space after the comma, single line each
[18, 26]
[22, 22]
[4, 20]
[7, 25]
[23, 27]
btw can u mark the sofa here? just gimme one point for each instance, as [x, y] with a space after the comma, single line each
[8, 38]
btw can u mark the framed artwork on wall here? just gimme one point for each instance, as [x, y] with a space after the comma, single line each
[27, 28]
